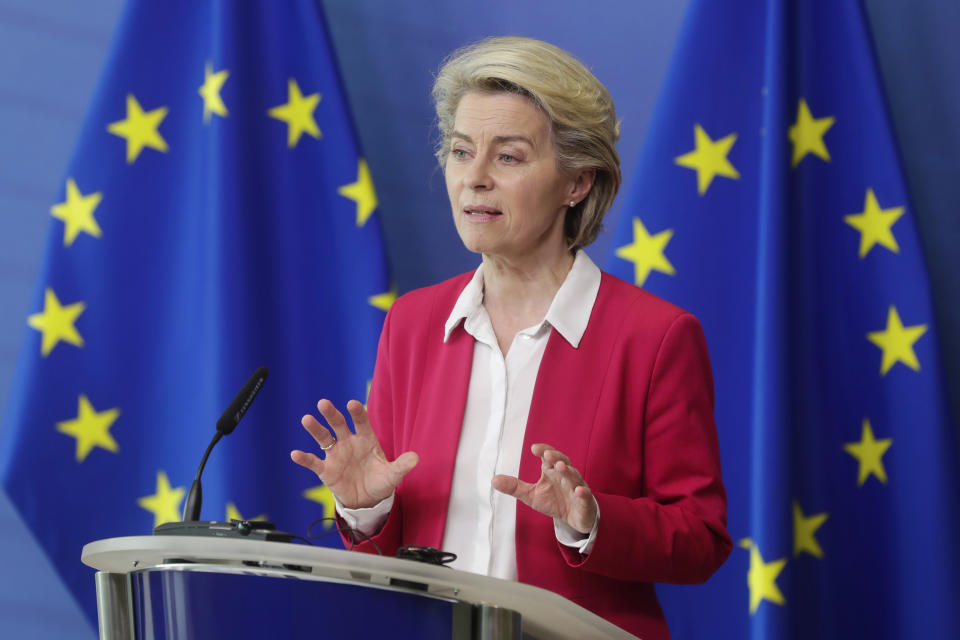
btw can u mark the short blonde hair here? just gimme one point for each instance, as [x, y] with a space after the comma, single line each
[583, 121]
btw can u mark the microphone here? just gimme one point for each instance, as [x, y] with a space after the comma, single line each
[231, 416]
[225, 426]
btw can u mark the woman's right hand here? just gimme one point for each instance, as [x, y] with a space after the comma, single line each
[355, 469]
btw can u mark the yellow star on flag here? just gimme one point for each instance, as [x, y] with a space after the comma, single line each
[709, 158]
[362, 193]
[896, 342]
[869, 454]
[385, 300]
[139, 129]
[165, 503]
[874, 225]
[646, 252]
[322, 495]
[297, 113]
[234, 514]
[56, 322]
[805, 530]
[91, 428]
[77, 213]
[210, 92]
[762, 577]
[807, 134]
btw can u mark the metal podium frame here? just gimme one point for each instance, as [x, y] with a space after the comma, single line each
[484, 608]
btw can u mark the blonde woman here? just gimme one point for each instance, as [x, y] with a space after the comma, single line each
[545, 421]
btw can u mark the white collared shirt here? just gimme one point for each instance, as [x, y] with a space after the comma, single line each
[481, 522]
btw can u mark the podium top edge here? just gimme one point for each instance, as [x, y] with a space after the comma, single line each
[542, 610]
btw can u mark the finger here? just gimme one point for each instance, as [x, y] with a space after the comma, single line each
[558, 480]
[549, 457]
[568, 474]
[307, 460]
[404, 464]
[361, 420]
[585, 503]
[583, 493]
[583, 509]
[539, 448]
[513, 487]
[334, 418]
[319, 432]
[554, 455]
[506, 484]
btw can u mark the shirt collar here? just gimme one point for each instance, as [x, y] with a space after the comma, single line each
[568, 313]
[469, 302]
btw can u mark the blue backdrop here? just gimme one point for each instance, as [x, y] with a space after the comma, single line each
[53, 53]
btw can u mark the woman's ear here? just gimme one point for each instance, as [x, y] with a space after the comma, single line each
[582, 183]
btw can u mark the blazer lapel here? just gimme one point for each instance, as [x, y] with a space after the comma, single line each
[443, 400]
[564, 403]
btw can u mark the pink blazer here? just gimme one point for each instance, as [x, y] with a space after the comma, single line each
[633, 409]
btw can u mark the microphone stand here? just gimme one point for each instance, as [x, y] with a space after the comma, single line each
[192, 525]
[191, 512]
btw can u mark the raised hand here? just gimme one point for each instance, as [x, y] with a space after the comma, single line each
[355, 469]
[559, 493]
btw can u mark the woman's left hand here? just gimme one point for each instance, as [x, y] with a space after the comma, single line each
[559, 493]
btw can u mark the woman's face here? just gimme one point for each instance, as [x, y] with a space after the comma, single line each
[507, 194]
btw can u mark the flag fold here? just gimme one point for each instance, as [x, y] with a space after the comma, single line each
[216, 216]
[770, 202]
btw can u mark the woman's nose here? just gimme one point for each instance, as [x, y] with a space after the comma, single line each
[477, 175]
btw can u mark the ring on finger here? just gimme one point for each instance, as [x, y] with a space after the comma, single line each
[329, 446]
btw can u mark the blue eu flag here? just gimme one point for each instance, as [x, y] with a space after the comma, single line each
[216, 216]
[770, 202]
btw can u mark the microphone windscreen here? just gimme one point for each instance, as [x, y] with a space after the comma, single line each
[231, 417]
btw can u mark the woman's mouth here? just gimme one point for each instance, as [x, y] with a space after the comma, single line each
[481, 211]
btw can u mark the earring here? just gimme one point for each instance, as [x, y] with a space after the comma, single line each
[572, 204]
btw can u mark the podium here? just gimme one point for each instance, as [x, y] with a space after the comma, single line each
[205, 587]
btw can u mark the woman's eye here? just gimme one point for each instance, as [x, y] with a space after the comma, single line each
[458, 154]
[509, 159]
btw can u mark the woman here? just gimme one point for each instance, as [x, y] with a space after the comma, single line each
[549, 423]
